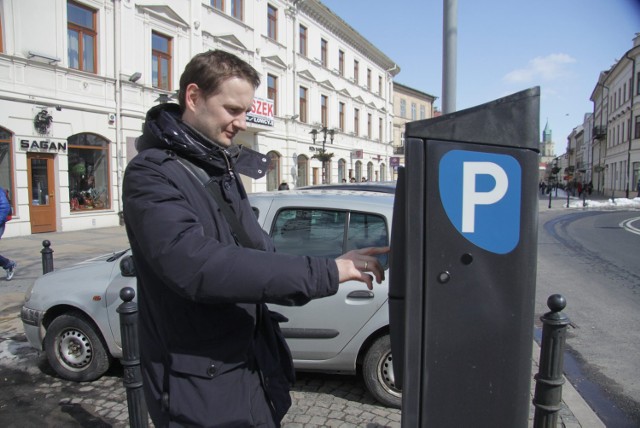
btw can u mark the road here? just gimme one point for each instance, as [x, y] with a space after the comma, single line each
[592, 258]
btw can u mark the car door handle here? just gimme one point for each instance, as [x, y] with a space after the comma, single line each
[361, 294]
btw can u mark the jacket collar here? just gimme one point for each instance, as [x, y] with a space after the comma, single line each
[164, 129]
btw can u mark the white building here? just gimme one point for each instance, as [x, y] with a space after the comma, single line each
[77, 77]
[616, 133]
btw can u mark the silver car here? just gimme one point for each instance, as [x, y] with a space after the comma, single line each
[71, 313]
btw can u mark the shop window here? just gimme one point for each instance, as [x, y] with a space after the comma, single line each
[82, 34]
[303, 171]
[88, 172]
[6, 164]
[273, 173]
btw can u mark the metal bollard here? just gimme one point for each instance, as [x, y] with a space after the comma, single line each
[47, 257]
[567, 199]
[550, 193]
[128, 310]
[549, 379]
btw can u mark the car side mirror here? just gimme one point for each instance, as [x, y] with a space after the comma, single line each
[127, 267]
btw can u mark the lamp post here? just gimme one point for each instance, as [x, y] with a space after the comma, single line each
[323, 152]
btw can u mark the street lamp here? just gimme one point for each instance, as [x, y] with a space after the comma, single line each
[323, 156]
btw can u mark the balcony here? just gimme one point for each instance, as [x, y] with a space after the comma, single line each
[398, 150]
[599, 131]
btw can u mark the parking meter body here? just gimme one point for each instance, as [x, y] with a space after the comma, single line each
[463, 265]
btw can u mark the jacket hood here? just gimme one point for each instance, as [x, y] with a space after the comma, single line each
[164, 129]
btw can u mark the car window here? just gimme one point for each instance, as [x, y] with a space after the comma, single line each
[321, 232]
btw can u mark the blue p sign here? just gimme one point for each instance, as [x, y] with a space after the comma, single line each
[481, 193]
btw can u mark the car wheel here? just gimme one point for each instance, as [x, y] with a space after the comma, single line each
[377, 371]
[75, 349]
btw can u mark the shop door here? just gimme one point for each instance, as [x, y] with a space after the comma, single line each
[42, 206]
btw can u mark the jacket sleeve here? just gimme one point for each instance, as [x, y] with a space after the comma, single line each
[166, 233]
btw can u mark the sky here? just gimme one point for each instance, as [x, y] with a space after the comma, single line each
[503, 47]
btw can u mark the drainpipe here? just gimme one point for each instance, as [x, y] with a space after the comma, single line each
[633, 77]
[117, 66]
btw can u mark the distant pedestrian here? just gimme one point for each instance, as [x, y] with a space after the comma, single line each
[352, 180]
[5, 210]
[283, 186]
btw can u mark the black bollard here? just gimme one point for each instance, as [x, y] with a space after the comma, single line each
[584, 198]
[47, 257]
[550, 192]
[567, 199]
[128, 310]
[549, 380]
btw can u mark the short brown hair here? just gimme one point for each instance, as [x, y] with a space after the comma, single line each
[209, 69]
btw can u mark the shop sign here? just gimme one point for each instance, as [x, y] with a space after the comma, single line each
[43, 146]
[261, 112]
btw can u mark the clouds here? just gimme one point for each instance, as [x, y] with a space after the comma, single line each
[547, 68]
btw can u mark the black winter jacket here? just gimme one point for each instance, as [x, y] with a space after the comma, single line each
[204, 326]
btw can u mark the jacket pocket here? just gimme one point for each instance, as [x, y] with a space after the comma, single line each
[202, 389]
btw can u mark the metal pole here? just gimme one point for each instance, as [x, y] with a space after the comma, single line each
[449, 54]
[132, 380]
[47, 257]
[567, 199]
[550, 193]
[549, 380]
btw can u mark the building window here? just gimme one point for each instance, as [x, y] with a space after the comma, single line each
[303, 40]
[380, 129]
[368, 78]
[81, 30]
[217, 4]
[369, 120]
[403, 108]
[341, 62]
[637, 128]
[414, 111]
[272, 91]
[303, 104]
[356, 121]
[324, 101]
[341, 116]
[273, 173]
[89, 172]
[161, 61]
[638, 83]
[237, 9]
[6, 164]
[356, 70]
[272, 22]
[423, 112]
[324, 47]
[380, 85]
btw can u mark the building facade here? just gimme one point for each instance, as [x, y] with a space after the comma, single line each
[77, 77]
[616, 130]
[408, 105]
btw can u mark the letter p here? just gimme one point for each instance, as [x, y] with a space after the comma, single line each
[472, 197]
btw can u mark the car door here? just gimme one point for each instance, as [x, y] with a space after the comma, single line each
[320, 329]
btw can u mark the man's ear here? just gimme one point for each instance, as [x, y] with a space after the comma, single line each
[192, 95]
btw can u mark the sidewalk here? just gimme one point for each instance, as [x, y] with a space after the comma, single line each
[75, 246]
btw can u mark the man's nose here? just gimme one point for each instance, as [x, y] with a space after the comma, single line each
[241, 122]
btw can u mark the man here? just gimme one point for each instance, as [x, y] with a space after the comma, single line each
[9, 266]
[211, 352]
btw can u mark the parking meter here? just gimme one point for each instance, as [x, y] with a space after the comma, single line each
[463, 265]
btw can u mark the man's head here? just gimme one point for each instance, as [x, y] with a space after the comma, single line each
[216, 92]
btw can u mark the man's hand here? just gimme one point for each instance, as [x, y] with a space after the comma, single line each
[353, 265]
